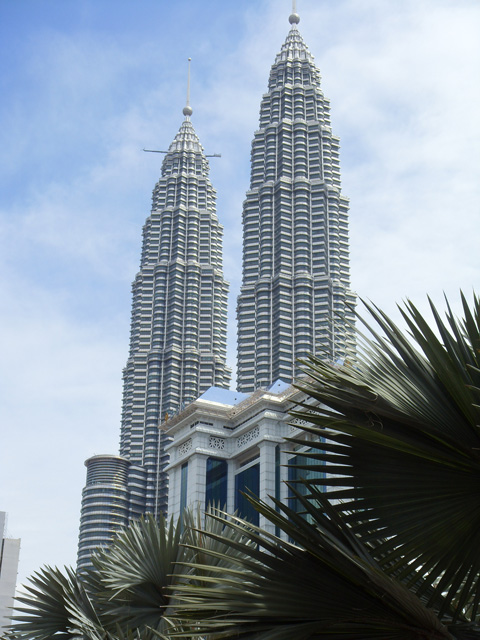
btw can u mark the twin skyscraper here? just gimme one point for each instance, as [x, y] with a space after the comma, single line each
[294, 300]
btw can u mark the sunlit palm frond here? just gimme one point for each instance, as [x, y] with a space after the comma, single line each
[46, 606]
[212, 542]
[130, 592]
[135, 574]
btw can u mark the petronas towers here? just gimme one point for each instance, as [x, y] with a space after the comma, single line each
[294, 298]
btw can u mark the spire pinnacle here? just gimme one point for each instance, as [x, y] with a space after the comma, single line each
[187, 109]
[294, 17]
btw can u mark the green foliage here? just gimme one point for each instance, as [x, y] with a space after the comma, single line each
[49, 602]
[125, 593]
[323, 583]
[136, 575]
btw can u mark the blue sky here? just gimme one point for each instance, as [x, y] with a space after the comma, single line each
[87, 84]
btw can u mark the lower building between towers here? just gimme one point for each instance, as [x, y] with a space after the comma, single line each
[227, 443]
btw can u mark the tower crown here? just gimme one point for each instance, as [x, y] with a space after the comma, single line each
[295, 285]
[186, 138]
[185, 154]
[294, 48]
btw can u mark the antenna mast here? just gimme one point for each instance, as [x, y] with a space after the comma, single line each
[187, 109]
[294, 17]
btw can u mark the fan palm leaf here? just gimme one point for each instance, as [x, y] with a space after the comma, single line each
[402, 449]
[130, 592]
[139, 572]
[322, 583]
[47, 604]
[135, 574]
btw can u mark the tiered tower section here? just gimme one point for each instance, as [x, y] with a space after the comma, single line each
[177, 344]
[295, 297]
[179, 310]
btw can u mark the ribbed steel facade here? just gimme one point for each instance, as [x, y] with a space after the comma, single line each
[178, 335]
[295, 297]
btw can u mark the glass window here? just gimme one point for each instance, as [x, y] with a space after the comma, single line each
[294, 473]
[216, 483]
[247, 481]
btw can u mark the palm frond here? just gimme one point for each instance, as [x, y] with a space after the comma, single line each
[47, 606]
[402, 449]
[135, 574]
[321, 584]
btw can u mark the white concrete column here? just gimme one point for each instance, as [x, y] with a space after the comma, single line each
[267, 478]
[232, 467]
[173, 493]
[197, 469]
[284, 459]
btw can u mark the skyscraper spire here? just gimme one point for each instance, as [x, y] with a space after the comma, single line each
[187, 109]
[295, 297]
[294, 17]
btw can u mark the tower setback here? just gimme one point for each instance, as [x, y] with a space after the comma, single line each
[295, 298]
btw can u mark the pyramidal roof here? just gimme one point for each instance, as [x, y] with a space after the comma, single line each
[294, 48]
[186, 139]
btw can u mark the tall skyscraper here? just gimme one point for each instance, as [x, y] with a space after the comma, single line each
[178, 337]
[177, 342]
[295, 298]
